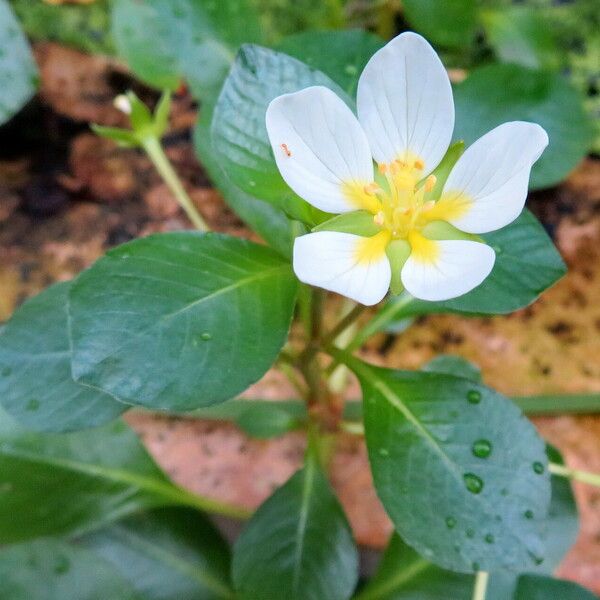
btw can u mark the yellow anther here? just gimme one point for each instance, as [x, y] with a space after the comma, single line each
[428, 205]
[379, 218]
[419, 164]
[430, 183]
[371, 189]
[382, 168]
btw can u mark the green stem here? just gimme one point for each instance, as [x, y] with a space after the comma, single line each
[159, 159]
[481, 583]
[575, 474]
[387, 314]
[342, 325]
[551, 404]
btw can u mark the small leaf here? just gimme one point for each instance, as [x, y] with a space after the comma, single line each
[123, 137]
[497, 93]
[166, 553]
[264, 421]
[446, 23]
[180, 320]
[165, 40]
[444, 449]
[538, 587]
[298, 545]
[341, 55]
[51, 569]
[36, 386]
[239, 131]
[18, 73]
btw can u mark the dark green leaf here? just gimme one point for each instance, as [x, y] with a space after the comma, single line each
[53, 569]
[341, 55]
[36, 386]
[497, 93]
[165, 40]
[180, 320]
[18, 73]
[239, 132]
[54, 484]
[166, 554]
[538, 587]
[448, 23]
[264, 421]
[454, 365]
[456, 467]
[298, 545]
[527, 263]
[521, 35]
[268, 221]
[404, 575]
[85, 27]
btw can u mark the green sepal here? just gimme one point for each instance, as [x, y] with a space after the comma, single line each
[141, 117]
[397, 252]
[442, 171]
[358, 222]
[442, 230]
[123, 137]
[161, 114]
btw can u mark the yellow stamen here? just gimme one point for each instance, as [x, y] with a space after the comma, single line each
[450, 206]
[419, 164]
[430, 183]
[379, 218]
[358, 195]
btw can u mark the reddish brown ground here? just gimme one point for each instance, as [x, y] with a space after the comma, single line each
[66, 196]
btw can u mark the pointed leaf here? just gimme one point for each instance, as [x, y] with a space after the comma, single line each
[51, 569]
[298, 545]
[166, 554]
[538, 587]
[18, 73]
[180, 320]
[36, 386]
[457, 468]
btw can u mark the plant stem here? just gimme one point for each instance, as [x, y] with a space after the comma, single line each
[575, 474]
[342, 325]
[481, 582]
[387, 314]
[159, 159]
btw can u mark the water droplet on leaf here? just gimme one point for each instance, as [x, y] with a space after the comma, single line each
[450, 522]
[474, 484]
[33, 404]
[475, 566]
[470, 533]
[482, 448]
[205, 337]
[489, 538]
[538, 467]
[384, 452]
[474, 396]
[62, 565]
[528, 514]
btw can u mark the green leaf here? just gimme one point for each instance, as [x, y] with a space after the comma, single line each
[166, 554]
[18, 73]
[404, 575]
[538, 587]
[521, 35]
[497, 93]
[268, 221]
[180, 320]
[85, 27]
[265, 421]
[298, 545]
[51, 569]
[36, 386]
[165, 40]
[239, 132]
[449, 364]
[341, 55]
[456, 467]
[446, 23]
[283, 17]
[124, 137]
[527, 263]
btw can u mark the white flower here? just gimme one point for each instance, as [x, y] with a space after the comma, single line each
[405, 123]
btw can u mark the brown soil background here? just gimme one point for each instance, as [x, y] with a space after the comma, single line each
[66, 196]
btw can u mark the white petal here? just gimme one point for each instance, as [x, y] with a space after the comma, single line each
[319, 146]
[459, 267]
[492, 176]
[405, 102]
[329, 259]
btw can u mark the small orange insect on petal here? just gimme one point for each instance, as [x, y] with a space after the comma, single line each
[287, 151]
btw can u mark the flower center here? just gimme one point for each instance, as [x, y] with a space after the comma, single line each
[402, 207]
